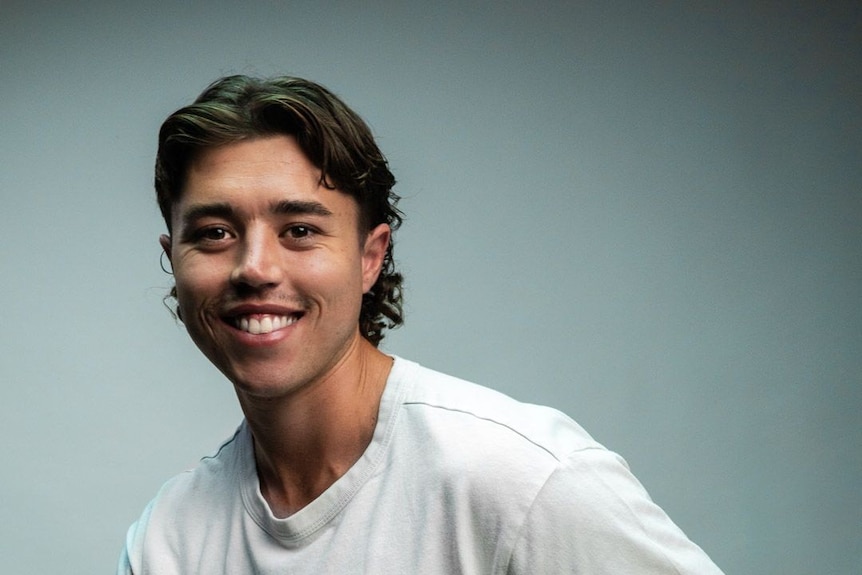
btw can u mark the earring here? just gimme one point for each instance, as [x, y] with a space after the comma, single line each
[170, 272]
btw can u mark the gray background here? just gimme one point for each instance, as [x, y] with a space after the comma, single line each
[645, 214]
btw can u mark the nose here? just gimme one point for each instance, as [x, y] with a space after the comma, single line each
[258, 262]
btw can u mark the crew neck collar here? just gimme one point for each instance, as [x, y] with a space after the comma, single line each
[291, 531]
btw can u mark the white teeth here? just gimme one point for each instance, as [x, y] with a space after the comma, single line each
[253, 326]
[264, 324]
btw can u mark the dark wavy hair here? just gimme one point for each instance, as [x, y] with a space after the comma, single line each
[332, 136]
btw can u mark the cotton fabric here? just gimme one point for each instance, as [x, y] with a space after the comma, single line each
[458, 478]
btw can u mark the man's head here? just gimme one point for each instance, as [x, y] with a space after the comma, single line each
[334, 139]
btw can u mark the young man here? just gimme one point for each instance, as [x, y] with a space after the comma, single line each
[280, 212]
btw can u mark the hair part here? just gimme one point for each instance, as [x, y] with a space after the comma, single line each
[333, 137]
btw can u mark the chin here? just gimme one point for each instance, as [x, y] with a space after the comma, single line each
[263, 386]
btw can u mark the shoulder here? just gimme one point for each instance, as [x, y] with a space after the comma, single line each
[212, 474]
[184, 504]
[461, 406]
[570, 503]
[498, 451]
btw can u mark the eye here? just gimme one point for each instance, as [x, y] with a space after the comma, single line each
[298, 232]
[215, 234]
[212, 234]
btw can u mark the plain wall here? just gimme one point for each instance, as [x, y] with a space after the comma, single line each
[644, 214]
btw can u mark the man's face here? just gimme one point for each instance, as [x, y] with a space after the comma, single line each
[270, 266]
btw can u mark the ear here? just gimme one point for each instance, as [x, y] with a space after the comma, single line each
[373, 252]
[165, 242]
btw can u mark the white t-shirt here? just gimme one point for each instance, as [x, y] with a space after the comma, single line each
[457, 479]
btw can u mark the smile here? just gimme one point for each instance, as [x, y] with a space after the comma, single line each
[263, 323]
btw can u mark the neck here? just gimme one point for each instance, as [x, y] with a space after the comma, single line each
[304, 442]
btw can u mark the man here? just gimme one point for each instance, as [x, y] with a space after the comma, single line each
[280, 213]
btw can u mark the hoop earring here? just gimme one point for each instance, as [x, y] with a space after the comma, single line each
[170, 272]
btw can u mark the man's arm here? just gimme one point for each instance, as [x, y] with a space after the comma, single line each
[130, 557]
[592, 516]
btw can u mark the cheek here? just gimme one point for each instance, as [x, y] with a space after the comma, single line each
[196, 280]
[338, 280]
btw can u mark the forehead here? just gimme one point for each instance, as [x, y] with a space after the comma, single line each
[251, 174]
[256, 160]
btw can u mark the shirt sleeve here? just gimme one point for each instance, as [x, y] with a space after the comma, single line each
[593, 517]
[132, 553]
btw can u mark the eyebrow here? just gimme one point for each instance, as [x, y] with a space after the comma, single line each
[295, 207]
[199, 211]
[226, 211]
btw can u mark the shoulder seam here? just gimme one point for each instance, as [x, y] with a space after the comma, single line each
[557, 458]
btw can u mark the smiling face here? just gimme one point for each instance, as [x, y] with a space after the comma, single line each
[270, 266]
